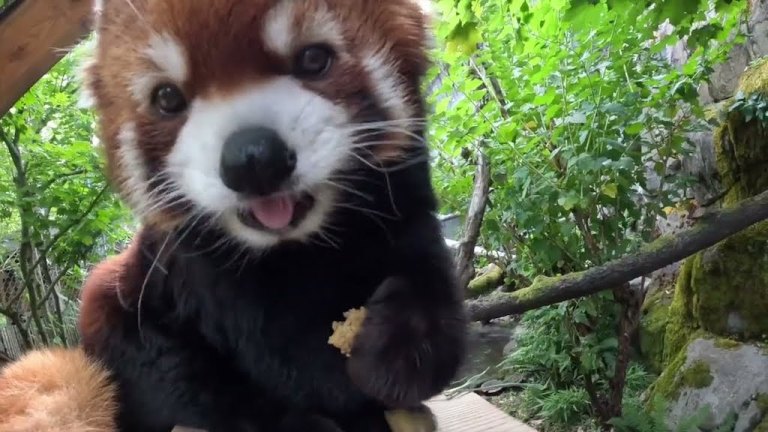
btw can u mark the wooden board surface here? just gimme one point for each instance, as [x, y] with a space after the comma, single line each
[467, 413]
[472, 413]
[33, 38]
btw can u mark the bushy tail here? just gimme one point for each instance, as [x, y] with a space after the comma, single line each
[56, 390]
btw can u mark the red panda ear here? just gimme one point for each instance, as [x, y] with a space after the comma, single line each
[420, 15]
[429, 15]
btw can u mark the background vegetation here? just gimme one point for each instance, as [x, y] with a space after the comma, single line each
[580, 116]
[572, 105]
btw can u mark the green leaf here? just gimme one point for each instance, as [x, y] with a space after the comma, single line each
[634, 128]
[610, 190]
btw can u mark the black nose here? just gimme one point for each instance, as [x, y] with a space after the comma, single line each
[256, 161]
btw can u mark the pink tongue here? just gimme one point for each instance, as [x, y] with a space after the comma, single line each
[273, 212]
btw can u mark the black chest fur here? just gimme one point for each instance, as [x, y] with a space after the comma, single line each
[269, 317]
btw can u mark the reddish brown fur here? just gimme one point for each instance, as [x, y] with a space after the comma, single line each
[56, 390]
[223, 40]
[101, 304]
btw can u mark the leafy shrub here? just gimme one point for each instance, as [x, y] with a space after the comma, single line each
[580, 115]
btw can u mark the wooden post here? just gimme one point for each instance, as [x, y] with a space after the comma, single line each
[33, 38]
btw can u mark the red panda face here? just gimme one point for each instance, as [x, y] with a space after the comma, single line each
[244, 110]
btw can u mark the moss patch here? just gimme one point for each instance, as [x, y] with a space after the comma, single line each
[653, 327]
[763, 426]
[762, 402]
[681, 323]
[676, 377]
[755, 77]
[723, 291]
[698, 375]
[727, 344]
[490, 278]
[729, 285]
[668, 385]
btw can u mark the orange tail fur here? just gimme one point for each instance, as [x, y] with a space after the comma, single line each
[56, 390]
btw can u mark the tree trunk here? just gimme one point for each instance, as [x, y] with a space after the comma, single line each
[465, 254]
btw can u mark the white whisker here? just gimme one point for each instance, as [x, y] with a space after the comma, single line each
[349, 189]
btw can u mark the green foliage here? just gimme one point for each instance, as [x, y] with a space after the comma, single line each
[753, 106]
[57, 215]
[636, 418]
[580, 114]
[558, 364]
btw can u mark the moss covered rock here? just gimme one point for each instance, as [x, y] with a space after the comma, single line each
[725, 381]
[488, 279]
[724, 290]
[711, 354]
[740, 142]
[653, 326]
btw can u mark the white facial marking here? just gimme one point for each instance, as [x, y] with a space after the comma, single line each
[279, 28]
[311, 125]
[132, 169]
[282, 36]
[170, 61]
[142, 84]
[388, 86]
[168, 55]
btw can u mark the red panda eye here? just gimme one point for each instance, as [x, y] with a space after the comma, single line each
[313, 61]
[168, 99]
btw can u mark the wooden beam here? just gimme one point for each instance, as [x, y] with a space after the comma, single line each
[33, 38]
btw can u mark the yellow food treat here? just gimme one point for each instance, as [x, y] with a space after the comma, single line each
[344, 332]
[411, 421]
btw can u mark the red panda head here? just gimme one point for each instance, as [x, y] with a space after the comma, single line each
[244, 110]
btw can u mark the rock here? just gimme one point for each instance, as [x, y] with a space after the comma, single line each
[510, 347]
[749, 418]
[725, 77]
[492, 388]
[723, 290]
[701, 166]
[758, 28]
[720, 378]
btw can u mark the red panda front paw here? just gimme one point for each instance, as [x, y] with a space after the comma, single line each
[407, 350]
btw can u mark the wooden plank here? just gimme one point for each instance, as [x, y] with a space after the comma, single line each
[33, 38]
[466, 413]
[472, 413]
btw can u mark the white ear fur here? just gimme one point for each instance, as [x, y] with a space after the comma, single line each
[429, 15]
[86, 98]
[98, 8]
[427, 8]
[85, 94]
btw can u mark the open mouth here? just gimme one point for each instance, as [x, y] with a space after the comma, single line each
[277, 212]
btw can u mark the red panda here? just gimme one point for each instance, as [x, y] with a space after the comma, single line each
[275, 153]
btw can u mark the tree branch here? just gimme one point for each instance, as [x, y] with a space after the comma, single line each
[709, 230]
[465, 254]
[60, 177]
[63, 231]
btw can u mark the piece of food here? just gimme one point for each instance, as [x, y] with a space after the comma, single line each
[420, 420]
[344, 332]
